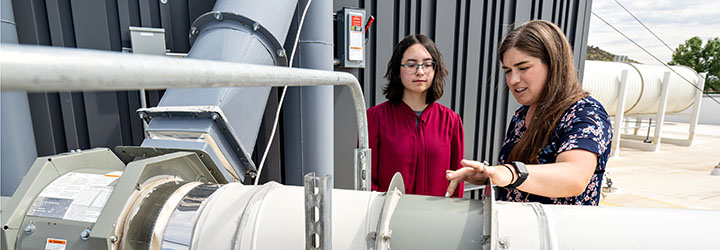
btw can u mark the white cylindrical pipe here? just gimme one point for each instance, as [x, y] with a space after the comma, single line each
[271, 216]
[537, 226]
[644, 86]
[602, 80]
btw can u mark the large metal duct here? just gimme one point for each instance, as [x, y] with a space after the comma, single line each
[224, 122]
[156, 203]
[18, 138]
[644, 86]
[424, 222]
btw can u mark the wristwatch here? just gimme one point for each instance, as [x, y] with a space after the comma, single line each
[522, 174]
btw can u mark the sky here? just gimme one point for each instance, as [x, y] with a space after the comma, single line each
[674, 21]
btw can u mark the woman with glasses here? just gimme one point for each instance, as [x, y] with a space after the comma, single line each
[558, 141]
[411, 133]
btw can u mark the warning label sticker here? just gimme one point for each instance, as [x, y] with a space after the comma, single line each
[356, 21]
[356, 42]
[75, 196]
[55, 244]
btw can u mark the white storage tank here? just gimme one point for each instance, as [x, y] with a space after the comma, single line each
[644, 86]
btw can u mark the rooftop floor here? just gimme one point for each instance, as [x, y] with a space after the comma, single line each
[674, 177]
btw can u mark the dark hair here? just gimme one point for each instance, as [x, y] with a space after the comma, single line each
[394, 89]
[544, 40]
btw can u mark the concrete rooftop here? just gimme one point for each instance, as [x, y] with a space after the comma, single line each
[674, 177]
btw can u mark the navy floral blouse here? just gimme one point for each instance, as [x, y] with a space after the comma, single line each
[585, 125]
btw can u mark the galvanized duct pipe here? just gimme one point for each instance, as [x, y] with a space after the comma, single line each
[235, 31]
[18, 139]
[644, 84]
[308, 115]
[271, 216]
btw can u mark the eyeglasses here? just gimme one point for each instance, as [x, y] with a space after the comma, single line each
[412, 68]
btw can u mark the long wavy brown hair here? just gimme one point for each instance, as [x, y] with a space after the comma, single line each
[544, 40]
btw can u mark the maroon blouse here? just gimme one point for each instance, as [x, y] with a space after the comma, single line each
[421, 147]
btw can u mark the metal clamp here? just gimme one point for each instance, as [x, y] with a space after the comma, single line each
[490, 239]
[318, 212]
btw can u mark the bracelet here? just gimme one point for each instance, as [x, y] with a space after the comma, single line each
[512, 178]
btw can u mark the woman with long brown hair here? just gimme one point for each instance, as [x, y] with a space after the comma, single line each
[558, 141]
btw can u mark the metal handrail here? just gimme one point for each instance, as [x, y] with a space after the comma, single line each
[38, 69]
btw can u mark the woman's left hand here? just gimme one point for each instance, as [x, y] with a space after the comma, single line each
[477, 173]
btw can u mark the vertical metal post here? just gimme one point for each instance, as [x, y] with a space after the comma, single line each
[661, 109]
[318, 212]
[308, 111]
[143, 104]
[696, 108]
[619, 115]
[17, 135]
[638, 123]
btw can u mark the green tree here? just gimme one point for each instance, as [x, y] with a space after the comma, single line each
[701, 59]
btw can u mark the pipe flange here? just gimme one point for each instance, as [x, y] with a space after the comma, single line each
[383, 234]
[266, 37]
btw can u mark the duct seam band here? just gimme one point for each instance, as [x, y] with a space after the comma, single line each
[253, 203]
[548, 239]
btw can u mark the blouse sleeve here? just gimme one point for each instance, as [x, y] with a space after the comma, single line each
[509, 135]
[457, 152]
[585, 126]
[374, 141]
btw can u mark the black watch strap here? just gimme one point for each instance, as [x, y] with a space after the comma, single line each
[522, 174]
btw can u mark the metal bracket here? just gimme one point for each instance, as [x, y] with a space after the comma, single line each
[362, 172]
[318, 212]
[271, 43]
[128, 154]
[490, 239]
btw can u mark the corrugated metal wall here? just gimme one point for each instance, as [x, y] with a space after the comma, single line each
[466, 31]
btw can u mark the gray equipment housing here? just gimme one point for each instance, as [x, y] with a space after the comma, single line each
[134, 189]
